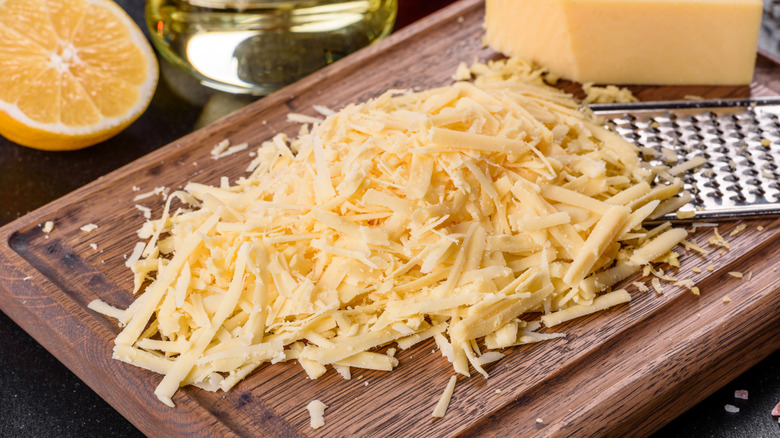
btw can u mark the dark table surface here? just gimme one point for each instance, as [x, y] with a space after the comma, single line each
[39, 397]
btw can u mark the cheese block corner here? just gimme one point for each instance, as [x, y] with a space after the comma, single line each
[654, 42]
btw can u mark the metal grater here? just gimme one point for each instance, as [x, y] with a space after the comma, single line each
[740, 139]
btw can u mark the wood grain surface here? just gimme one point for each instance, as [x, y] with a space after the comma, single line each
[623, 372]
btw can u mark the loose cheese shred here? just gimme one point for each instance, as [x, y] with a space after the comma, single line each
[455, 213]
[688, 165]
[656, 283]
[156, 191]
[693, 246]
[738, 229]
[316, 410]
[88, 227]
[685, 214]
[575, 311]
[444, 401]
[220, 147]
[230, 151]
[106, 309]
[718, 240]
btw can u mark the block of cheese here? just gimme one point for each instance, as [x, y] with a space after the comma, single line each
[663, 42]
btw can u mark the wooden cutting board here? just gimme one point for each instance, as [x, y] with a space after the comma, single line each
[624, 372]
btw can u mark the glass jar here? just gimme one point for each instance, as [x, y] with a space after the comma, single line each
[256, 47]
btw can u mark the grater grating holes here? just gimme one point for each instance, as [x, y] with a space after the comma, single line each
[740, 140]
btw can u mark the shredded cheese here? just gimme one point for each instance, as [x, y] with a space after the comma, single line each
[316, 410]
[738, 229]
[229, 151]
[88, 227]
[156, 191]
[718, 240]
[608, 94]
[105, 309]
[444, 401]
[448, 213]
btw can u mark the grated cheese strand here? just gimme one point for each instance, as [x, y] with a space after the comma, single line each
[446, 396]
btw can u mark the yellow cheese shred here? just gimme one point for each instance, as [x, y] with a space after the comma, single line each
[457, 213]
[446, 396]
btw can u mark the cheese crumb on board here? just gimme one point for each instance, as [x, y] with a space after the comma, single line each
[48, 226]
[446, 396]
[316, 410]
[88, 227]
[718, 240]
[415, 215]
[735, 274]
[731, 409]
[738, 229]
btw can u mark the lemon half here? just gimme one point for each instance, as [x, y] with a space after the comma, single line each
[72, 72]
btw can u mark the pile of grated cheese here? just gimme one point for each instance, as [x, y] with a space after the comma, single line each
[472, 214]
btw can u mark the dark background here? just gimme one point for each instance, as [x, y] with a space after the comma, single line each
[39, 397]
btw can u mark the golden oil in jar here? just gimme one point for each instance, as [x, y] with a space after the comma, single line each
[257, 47]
